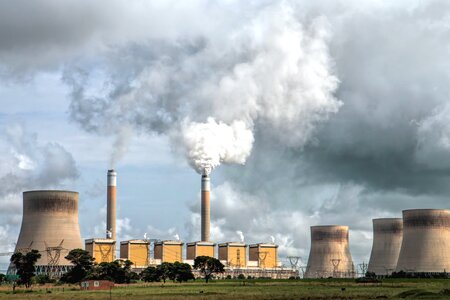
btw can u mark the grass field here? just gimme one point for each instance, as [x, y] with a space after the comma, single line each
[250, 289]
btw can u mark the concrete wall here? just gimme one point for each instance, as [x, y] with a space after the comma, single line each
[330, 254]
[426, 241]
[50, 219]
[387, 241]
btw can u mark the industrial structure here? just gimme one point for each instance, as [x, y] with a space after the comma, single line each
[102, 250]
[233, 254]
[168, 251]
[50, 225]
[263, 255]
[426, 241]
[330, 254]
[199, 249]
[387, 241]
[136, 251]
[205, 207]
[111, 205]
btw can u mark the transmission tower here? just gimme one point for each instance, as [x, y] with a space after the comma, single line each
[335, 262]
[363, 267]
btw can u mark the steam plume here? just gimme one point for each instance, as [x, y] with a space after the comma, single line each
[241, 235]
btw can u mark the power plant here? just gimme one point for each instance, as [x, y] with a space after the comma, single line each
[50, 225]
[426, 241]
[387, 241]
[205, 215]
[330, 254]
[417, 243]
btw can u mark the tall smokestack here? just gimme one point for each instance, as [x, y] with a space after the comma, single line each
[205, 207]
[111, 205]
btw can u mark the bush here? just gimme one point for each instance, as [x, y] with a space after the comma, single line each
[241, 276]
[42, 279]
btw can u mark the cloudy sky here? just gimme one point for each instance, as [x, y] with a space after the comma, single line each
[309, 113]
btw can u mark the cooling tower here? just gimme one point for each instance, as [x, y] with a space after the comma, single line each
[330, 254]
[387, 241]
[205, 222]
[426, 241]
[111, 205]
[50, 225]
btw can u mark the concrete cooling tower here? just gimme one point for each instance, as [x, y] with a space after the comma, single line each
[330, 254]
[426, 241]
[50, 225]
[387, 241]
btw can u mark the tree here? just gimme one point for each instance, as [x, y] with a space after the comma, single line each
[150, 274]
[181, 272]
[2, 278]
[83, 264]
[164, 271]
[208, 266]
[116, 271]
[24, 264]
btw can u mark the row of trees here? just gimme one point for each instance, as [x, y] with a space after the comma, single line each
[84, 268]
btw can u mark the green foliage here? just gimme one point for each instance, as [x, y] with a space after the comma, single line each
[208, 266]
[42, 279]
[25, 266]
[164, 271]
[150, 275]
[2, 278]
[83, 264]
[116, 271]
[181, 272]
[241, 276]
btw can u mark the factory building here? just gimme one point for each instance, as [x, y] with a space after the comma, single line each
[102, 250]
[330, 254]
[136, 251]
[50, 225]
[263, 255]
[168, 251]
[387, 241]
[199, 249]
[426, 241]
[233, 254]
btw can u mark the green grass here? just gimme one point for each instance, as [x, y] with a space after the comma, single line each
[251, 289]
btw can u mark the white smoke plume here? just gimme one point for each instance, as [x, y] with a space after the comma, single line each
[120, 146]
[267, 72]
[177, 237]
[241, 235]
[272, 238]
[210, 144]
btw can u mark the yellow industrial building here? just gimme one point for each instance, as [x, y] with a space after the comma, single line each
[233, 254]
[102, 250]
[136, 251]
[266, 255]
[199, 249]
[168, 251]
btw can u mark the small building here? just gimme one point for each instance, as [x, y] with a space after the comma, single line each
[195, 249]
[263, 255]
[102, 250]
[95, 285]
[137, 251]
[168, 251]
[233, 254]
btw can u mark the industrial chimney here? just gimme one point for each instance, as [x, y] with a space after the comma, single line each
[330, 254]
[205, 222]
[426, 241]
[50, 225]
[111, 205]
[387, 241]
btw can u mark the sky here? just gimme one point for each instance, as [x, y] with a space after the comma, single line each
[305, 113]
